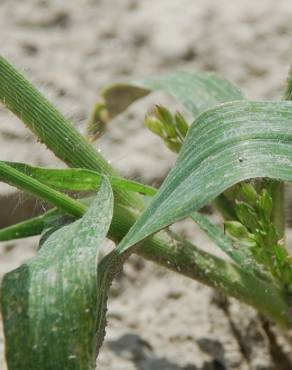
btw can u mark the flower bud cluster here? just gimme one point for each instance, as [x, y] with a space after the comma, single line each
[254, 229]
[171, 128]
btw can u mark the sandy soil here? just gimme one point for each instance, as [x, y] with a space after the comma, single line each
[157, 320]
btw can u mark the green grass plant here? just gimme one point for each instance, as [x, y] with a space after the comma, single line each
[236, 154]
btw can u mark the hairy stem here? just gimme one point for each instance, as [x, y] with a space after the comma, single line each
[52, 128]
[192, 262]
[169, 250]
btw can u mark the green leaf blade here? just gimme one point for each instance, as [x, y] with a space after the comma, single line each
[30, 227]
[195, 91]
[225, 145]
[76, 179]
[48, 124]
[21, 180]
[50, 303]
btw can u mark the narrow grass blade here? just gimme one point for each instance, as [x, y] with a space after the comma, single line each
[53, 305]
[78, 179]
[53, 129]
[196, 91]
[225, 145]
[33, 226]
[22, 181]
[48, 124]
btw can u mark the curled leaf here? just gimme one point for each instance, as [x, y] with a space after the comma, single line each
[228, 144]
[195, 91]
[53, 306]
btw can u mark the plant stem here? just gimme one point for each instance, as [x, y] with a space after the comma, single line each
[179, 255]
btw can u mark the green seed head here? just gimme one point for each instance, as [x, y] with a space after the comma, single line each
[236, 229]
[155, 125]
[164, 115]
[181, 125]
[248, 192]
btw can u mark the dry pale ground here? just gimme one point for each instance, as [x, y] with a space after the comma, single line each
[70, 49]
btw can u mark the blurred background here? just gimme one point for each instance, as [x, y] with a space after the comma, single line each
[70, 50]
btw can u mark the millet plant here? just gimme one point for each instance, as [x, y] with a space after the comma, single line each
[236, 154]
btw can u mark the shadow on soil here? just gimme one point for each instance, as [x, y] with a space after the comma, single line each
[145, 359]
